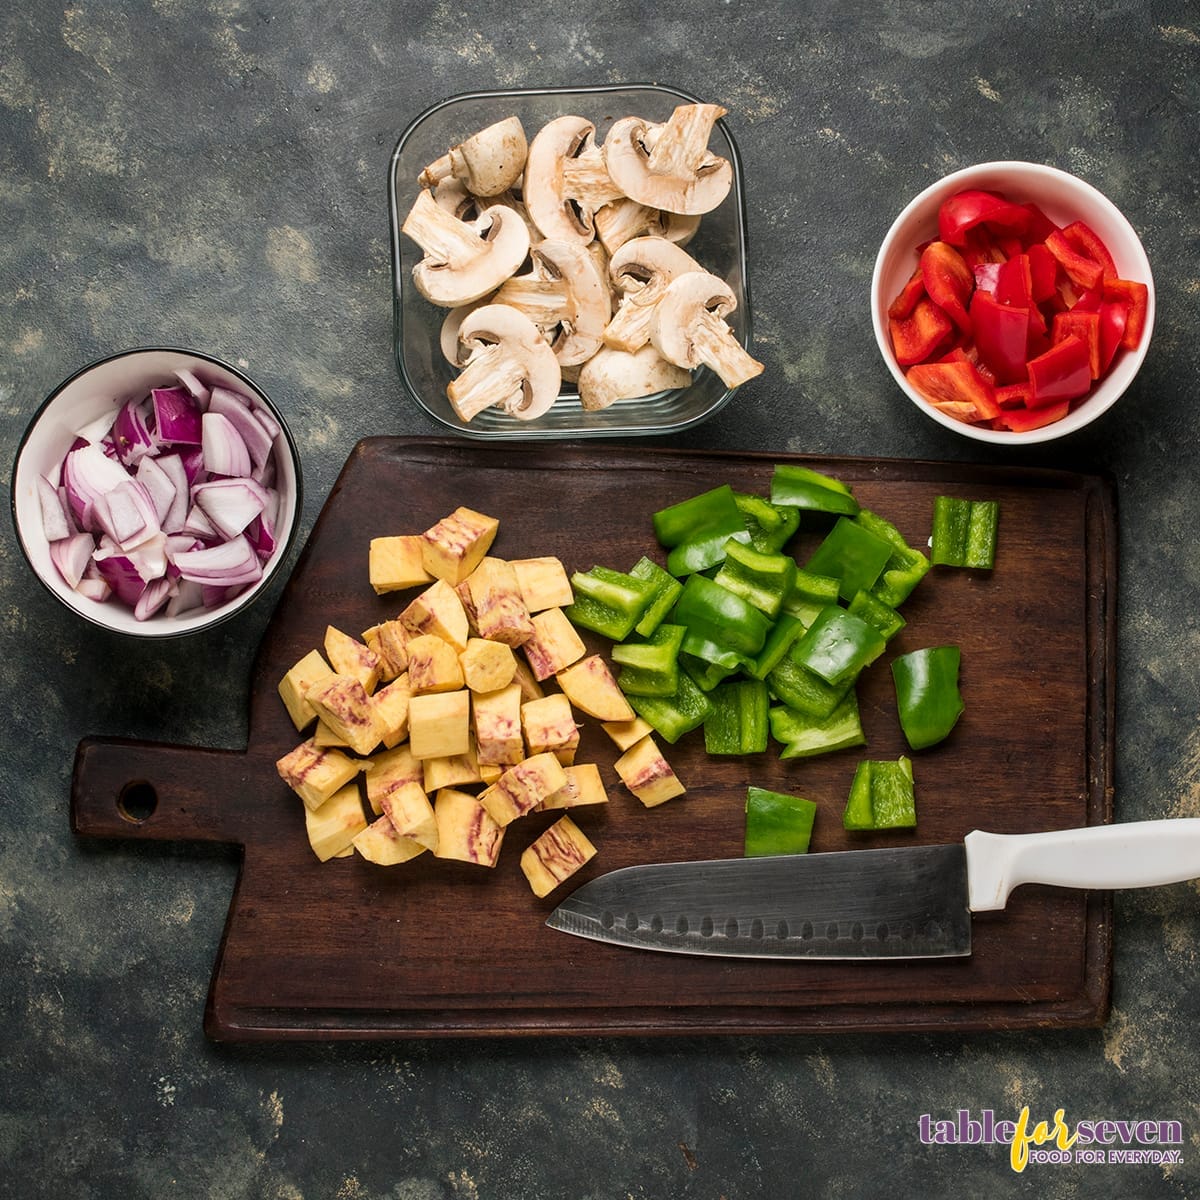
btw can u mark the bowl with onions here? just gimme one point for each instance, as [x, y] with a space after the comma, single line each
[156, 492]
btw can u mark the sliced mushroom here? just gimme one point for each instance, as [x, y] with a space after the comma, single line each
[641, 270]
[625, 219]
[488, 162]
[688, 328]
[612, 375]
[669, 166]
[456, 354]
[464, 260]
[565, 295]
[510, 366]
[566, 180]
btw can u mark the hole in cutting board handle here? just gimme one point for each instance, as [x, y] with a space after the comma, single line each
[137, 801]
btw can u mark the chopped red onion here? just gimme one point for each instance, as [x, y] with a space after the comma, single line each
[71, 556]
[224, 450]
[55, 519]
[236, 409]
[131, 435]
[176, 416]
[230, 504]
[153, 597]
[166, 503]
[193, 383]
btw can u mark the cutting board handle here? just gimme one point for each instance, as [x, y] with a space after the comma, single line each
[130, 789]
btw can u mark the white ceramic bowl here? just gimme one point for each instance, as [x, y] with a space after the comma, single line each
[1063, 198]
[99, 388]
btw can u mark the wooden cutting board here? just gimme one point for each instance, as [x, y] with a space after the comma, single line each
[346, 949]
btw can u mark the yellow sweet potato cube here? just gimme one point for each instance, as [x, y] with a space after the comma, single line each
[465, 831]
[411, 813]
[590, 686]
[522, 788]
[455, 770]
[391, 711]
[349, 656]
[452, 548]
[383, 844]
[556, 856]
[496, 609]
[395, 563]
[314, 774]
[323, 736]
[333, 826]
[584, 786]
[438, 611]
[389, 640]
[625, 733]
[312, 668]
[487, 666]
[497, 717]
[647, 774]
[388, 771]
[544, 583]
[439, 724]
[433, 665]
[554, 645]
[549, 724]
[342, 703]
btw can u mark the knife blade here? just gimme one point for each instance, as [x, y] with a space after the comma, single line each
[904, 902]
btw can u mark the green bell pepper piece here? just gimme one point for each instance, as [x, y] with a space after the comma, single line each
[770, 525]
[673, 716]
[811, 593]
[718, 615]
[666, 592]
[777, 823]
[713, 652]
[853, 555]
[808, 489]
[905, 568]
[798, 688]
[608, 602]
[882, 796]
[650, 668]
[964, 532]
[838, 645]
[705, 675]
[696, 530]
[868, 607]
[780, 640]
[764, 579]
[737, 719]
[927, 695]
[804, 736]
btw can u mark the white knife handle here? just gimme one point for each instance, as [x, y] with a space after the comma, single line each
[1136, 854]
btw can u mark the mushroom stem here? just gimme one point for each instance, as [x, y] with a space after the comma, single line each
[585, 179]
[681, 147]
[491, 376]
[714, 345]
[442, 236]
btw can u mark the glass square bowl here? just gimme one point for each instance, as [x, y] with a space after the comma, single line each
[719, 246]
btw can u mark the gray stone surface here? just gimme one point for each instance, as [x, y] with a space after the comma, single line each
[212, 173]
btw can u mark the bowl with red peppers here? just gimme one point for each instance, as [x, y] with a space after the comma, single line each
[1012, 302]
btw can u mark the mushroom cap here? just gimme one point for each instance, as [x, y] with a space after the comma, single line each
[488, 162]
[643, 260]
[688, 301]
[503, 245]
[627, 153]
[612, 375]
[589, 300]
[518, 339]
[455, 353]
[542, 190]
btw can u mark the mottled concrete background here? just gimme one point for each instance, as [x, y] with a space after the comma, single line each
[212, 173]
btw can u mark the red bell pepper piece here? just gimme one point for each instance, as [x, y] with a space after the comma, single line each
[1079, 268]
[1089, 300]
[948, 281]
[1001, 336]
[967, 209]
[910, 293]
[1086, 327]
[916, 337]
[1085, 241]
[1137, 296]
[956, 388]
[986, 276]
[1062, 373]
[1014, 286]
[1021, 420]
[1040, 226]
[1043, 272]
[1013, 395]
[1113, 318]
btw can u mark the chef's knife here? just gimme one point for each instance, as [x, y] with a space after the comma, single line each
[911, 902]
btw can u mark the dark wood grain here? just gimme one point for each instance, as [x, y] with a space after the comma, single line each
[348, 949]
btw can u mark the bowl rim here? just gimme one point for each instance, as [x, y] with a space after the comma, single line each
[1074, 421]
[526, 431]
[240, 603]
